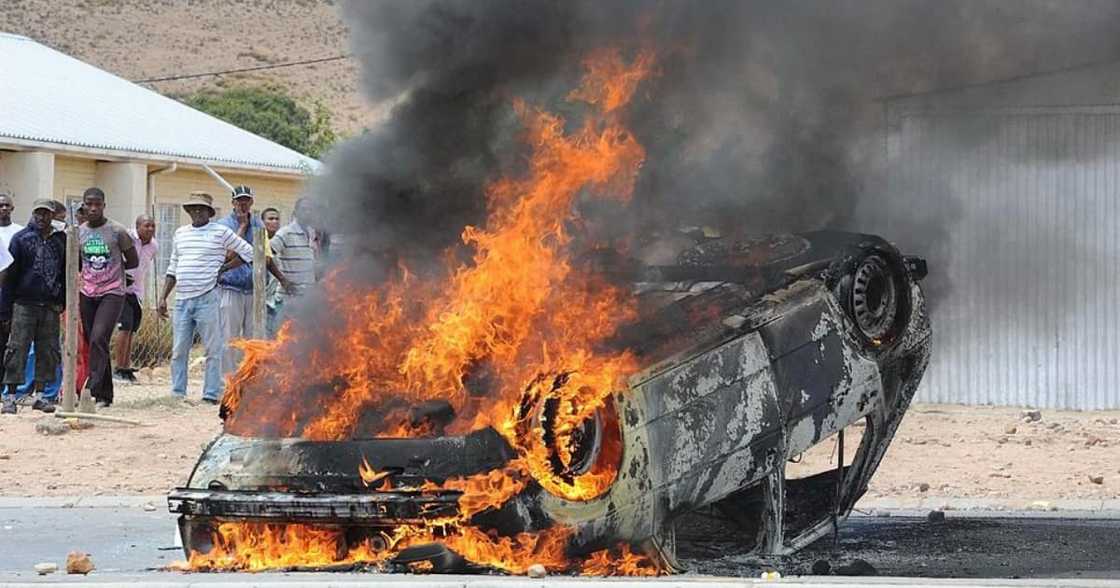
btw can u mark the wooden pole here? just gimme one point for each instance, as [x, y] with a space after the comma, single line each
[70, 324]
[260, 272]
[97, 417]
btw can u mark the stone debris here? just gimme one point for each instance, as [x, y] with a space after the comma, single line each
[79, 563]
[1010, 430]
[1031, 416]
[51, 426]
[1093, 440]
[78, 424]
[1096, 479]
[148, 506]
[537, 571]
[1041, 505]
[45, 568]
[923, 487]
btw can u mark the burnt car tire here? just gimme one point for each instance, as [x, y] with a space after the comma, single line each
[873, 290]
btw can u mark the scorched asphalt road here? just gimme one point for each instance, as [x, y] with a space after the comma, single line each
[135, 542]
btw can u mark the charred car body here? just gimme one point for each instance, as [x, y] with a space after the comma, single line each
[752, 351]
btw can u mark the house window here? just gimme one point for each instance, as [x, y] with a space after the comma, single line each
[167, 220]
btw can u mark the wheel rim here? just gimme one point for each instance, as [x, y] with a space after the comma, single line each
[874, 298]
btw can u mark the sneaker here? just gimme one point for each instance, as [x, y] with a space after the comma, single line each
[211, 401]
[46, 405]
[122, 377]
[130, 376]
[9, 405]
[100, 404]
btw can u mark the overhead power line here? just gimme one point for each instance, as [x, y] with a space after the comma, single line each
[243, 69]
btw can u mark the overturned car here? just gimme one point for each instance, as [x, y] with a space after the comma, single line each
[751, 352]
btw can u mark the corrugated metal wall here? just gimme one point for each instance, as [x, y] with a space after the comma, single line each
[1028, 312]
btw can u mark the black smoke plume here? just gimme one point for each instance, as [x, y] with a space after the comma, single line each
[765, 116]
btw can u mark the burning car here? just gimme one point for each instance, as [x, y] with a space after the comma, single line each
[543, 399]
[749, 352]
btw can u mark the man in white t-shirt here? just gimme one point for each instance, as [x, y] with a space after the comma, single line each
[7, 229]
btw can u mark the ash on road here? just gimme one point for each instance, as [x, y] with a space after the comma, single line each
[957, 547]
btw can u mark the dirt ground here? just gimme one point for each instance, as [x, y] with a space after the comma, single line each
[940, 451]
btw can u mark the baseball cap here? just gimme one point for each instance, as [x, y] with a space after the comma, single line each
[43, 204]
[242, 191]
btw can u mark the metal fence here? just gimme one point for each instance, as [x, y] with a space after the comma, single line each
[1027, 312]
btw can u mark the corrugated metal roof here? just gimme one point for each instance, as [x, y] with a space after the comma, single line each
[49, 97]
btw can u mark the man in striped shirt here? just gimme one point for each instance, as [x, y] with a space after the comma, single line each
[198, 257]
[295, 247]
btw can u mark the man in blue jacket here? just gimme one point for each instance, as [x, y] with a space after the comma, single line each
[35, 290]
[236, 285]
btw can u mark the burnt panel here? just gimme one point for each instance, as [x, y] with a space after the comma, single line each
[808, 376]
[332, 466]
[795, 328]
[712, 414]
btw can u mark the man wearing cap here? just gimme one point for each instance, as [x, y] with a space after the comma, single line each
[237, 284]
[35, 292]
[199, 255]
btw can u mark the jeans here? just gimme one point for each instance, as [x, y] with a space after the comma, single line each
[237, 323]
[50, 391]
[200, 314]
[33, 324]
[99, 317]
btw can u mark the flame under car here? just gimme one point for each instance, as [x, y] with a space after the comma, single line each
[751, 352]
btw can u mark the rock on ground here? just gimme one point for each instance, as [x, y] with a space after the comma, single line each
[78, 563]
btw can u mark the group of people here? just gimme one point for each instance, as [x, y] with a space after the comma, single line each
[210, 272]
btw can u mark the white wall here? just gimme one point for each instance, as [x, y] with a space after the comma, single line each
[125, 186]
[28, 175]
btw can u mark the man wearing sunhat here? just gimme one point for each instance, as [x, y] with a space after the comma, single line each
[199, 255]
[236, 285]
[35, 291]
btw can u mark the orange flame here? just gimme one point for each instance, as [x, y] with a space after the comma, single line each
[371, 476]
[623, 563]
[517, 329]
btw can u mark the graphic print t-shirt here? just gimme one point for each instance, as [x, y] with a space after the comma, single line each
[102, 264]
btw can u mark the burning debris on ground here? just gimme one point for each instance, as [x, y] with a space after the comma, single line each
[548, 399]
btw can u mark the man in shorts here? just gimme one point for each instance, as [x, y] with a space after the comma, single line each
[147, 248]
